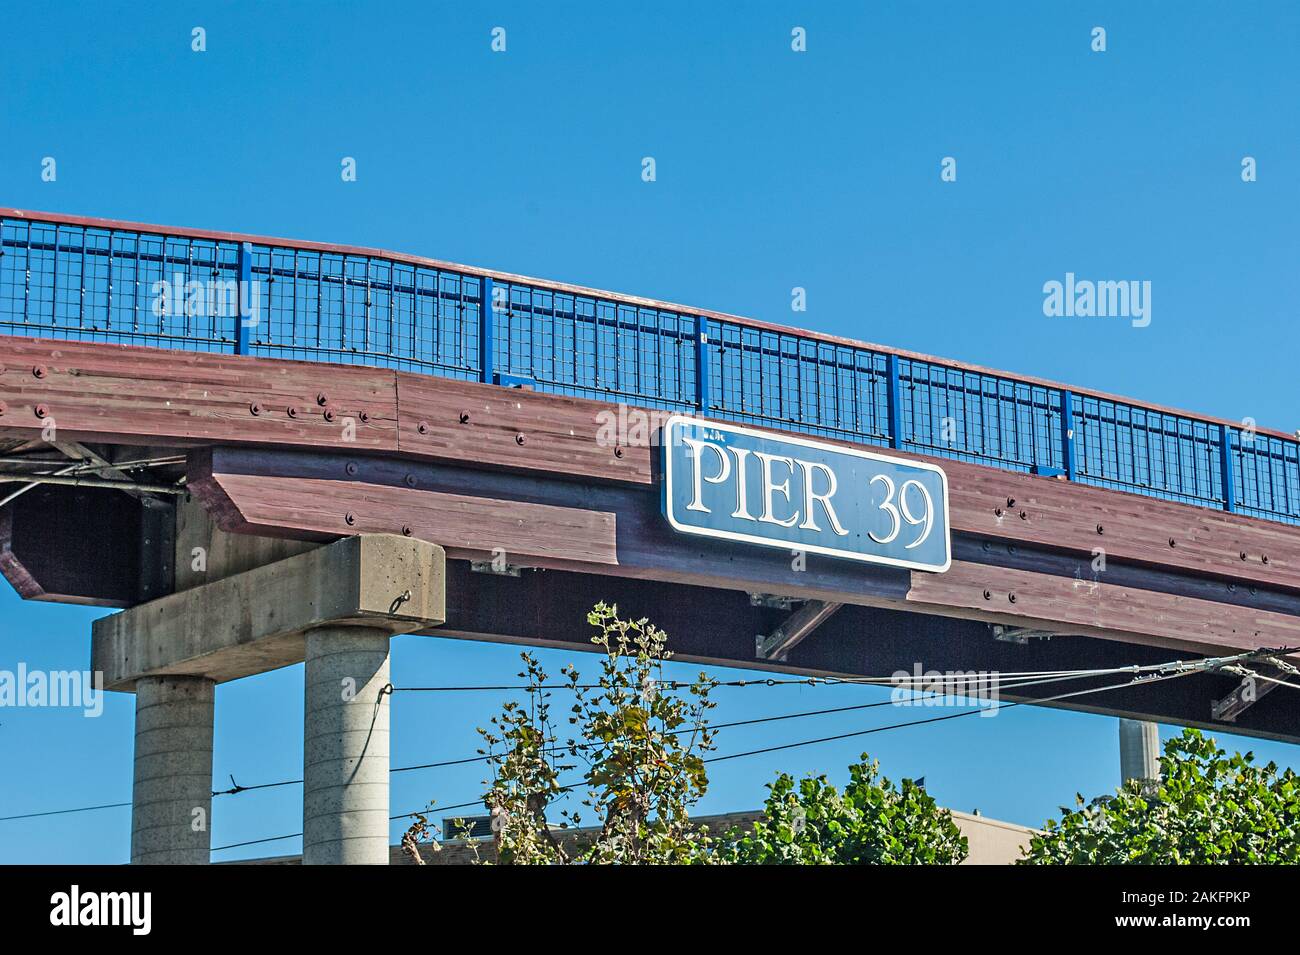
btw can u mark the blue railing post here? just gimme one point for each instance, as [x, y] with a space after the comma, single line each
[246, 299]
[486, 332]
[702, 364]
[893, 397]
[1226, 469]
[1068, 458]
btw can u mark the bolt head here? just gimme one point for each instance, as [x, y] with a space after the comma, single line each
[422, 427]
[321, 399]
[519, 439]
[39, 371]
[350, 518]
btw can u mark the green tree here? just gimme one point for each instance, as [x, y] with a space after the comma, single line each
[640, 742]
[870, 823]
[1207, 808]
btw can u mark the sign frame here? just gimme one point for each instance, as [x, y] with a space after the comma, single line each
[667, 497]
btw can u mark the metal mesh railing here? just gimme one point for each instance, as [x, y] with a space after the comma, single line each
[118, 284]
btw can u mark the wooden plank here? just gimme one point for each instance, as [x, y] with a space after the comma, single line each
[614, 529]
[1096, 609]
[466, 526]
[128, 394]
[512, 428]
[617, 530]
[125, 394]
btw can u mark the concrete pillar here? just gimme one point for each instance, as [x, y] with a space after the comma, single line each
[1139, 750]
[171, 798]
[345, 747]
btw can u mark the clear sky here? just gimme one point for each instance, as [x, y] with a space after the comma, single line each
[775, 169]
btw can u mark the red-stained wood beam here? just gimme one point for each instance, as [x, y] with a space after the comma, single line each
[126, 394]
[617, 531]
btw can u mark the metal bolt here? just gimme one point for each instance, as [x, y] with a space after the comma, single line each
[1024, 515]
[329, 414]
[1264, 558]
[986, 547]
[291, 411]
[1172, 542]
[1242, 555]
[1232, 588]
[410, 480]
[255, 408]
[351, 468]
[997, 512]
[1011, 502]
[321, 399]
[364, 416]
[519, 439]
[464, 417]
[406, 530]
[422, 427]
[350, 518]
[618, 452]
[39, 371]
[988, 595]
[41, 411]
[1011, 597]
[1100, 529]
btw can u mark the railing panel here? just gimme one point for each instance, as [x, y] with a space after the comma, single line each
[780, 380]
[320, 306]
[595, 347]
[1267, 476]
[1155, 453]
[65, 281]
[981, 418]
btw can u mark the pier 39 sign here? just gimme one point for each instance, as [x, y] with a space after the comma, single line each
[757, 487]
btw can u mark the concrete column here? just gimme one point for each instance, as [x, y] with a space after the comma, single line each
[1139, 750]
[171, 799]
[345, 747]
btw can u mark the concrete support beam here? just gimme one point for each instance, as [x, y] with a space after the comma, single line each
[345, 747]
[171, 798]
[255, 621]
[1139, 750]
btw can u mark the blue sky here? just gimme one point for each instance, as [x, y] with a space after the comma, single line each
[774, 169]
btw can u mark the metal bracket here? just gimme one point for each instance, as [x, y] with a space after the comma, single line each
[1020, 635]
[778, 644]
[1246, 694]
[489, 567]
[773, 601]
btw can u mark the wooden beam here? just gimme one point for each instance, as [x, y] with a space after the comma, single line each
[123, 394]
[617, 530]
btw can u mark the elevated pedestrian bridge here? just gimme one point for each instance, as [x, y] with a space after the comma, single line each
[290, 393]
